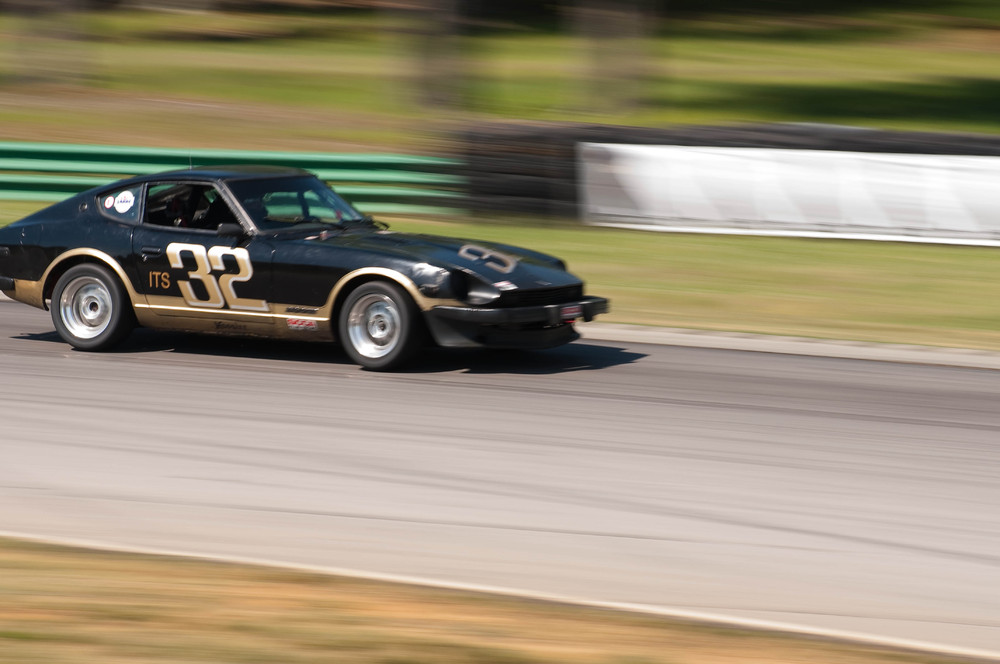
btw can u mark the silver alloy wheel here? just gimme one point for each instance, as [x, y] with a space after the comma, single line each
[374, 325]
[86, 307]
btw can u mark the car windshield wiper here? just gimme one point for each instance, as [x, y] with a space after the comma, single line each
[289, 223]
[366, 220]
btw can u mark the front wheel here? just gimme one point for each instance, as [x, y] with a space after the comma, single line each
[380, 326]
[90, 309]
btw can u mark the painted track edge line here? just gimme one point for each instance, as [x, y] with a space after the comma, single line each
[786, 345]
[777, 232]
[666, 612]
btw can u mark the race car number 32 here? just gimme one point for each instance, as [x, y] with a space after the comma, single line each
[220, 289]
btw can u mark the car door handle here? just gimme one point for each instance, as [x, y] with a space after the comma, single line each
[151, 252]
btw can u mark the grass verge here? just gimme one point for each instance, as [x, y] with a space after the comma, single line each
[866, 291]
[331, 82]
[75, 606]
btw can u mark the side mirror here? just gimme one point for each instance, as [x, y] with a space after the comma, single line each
[230, 230]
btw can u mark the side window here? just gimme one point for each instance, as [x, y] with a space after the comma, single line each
[122, 205]
[185, 205]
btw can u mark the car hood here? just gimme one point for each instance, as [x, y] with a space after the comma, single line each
[496, 263]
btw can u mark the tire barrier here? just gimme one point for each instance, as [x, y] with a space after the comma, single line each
[532, 168]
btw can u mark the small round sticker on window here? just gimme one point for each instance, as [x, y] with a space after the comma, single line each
[124, 202]
[109, 202]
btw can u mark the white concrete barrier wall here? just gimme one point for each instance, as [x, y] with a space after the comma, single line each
[930, 198]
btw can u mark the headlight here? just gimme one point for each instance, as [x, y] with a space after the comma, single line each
[482, 293]
[472, 289]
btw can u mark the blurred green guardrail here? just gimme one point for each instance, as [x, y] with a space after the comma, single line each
[375, 183]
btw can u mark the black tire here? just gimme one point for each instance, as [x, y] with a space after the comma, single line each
[90, 309]
[380, 326]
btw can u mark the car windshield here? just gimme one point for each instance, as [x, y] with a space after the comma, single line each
[281, 203]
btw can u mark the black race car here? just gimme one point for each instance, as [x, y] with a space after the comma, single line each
[265, 251]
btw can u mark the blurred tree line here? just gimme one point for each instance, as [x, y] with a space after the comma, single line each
[526, 11]
[48, 40]
[611, 35]
[611, 30]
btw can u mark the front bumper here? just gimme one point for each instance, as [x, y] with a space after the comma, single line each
[542, 326]
[548, 314]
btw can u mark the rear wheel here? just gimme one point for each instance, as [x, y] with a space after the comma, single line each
[90, 309]
[380, 326]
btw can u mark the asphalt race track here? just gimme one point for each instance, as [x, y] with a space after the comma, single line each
[829, 493]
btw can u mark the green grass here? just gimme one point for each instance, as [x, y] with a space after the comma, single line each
[14, 210]
[76, 606]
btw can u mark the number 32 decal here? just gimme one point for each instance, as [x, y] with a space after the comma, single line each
[220, 290]
[502, 263]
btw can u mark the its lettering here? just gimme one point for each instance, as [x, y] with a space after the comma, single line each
[159, 280]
